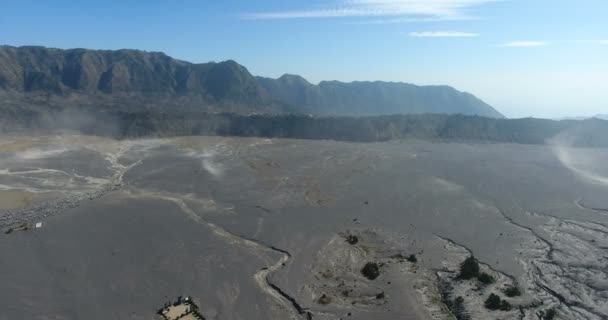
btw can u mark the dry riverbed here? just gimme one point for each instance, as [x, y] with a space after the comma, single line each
[291, 229]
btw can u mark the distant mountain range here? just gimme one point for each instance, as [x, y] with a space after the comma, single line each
[133, 80]
[131, 93]
[373, 98]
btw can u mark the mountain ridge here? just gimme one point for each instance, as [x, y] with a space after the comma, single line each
[136, 79]
[357, 98]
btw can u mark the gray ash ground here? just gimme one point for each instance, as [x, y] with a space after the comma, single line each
[281, 229]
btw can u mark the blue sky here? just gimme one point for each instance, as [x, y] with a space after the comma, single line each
[544, 58]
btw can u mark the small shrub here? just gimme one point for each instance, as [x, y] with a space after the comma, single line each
[371, 270]
[412, 258]
[505, 305]
[493, 302]
[469, 268]
[485, 278]
[399, 256]
[458, 309]
[548, 315]
[324, 299]
[512, 291]
[351, 239]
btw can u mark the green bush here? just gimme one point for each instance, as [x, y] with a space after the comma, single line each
[512, 291]
[371, 270]
[495, 303]
[485, 278]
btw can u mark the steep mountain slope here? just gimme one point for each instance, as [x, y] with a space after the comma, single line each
[131, 79]
[374, 98]
[135, 80]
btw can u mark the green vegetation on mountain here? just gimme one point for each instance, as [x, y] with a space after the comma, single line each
[130, 80]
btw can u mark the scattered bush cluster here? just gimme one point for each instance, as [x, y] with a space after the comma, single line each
[469, 269]
[495, 303]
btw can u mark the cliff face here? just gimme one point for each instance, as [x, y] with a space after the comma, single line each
[150, 77]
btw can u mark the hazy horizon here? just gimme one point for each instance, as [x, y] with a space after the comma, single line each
[543, 59]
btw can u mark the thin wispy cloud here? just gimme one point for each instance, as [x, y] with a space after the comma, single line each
[524, 44]
[418, 9]
[395, 20]
[426, 19]
[594, 41]
[442, 34]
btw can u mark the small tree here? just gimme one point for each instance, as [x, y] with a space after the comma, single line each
[469, 268]
[493, 302]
